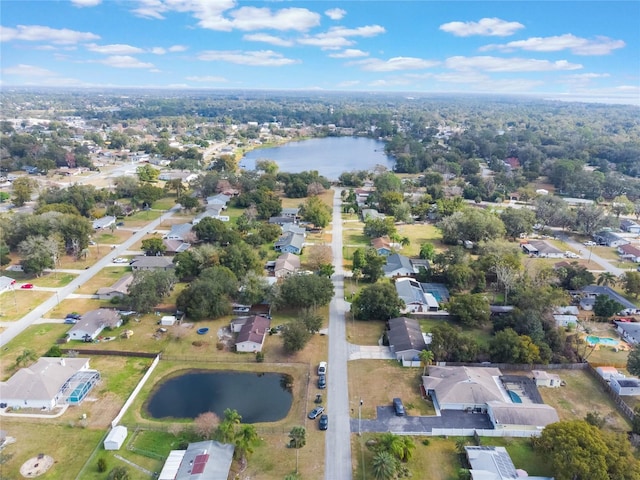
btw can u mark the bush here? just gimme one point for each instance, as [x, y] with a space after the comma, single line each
[426, 442]
[259, 357]
[54, 351]
[102, 465]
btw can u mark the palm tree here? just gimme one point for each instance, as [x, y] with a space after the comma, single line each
[27, 356]
[426, 357]
[408, 446]
[246, 439]
[392, 444]
[607, 279]
[298, 437]
[385, 466]
[227, 429]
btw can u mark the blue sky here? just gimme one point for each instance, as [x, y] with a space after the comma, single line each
[583, 50]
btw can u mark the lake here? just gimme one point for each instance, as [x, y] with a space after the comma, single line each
[330, 156]
[258, 397]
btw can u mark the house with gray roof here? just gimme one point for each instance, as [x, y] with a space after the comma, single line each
[399, 266]
[625, 386]
[493, 463]
[152, 263]
[281, 220]
[293, 228]
[371, 214]
[104, 222]
[175, 246]
[206, 460]
[629, 331]
[180, 231]
[290, 243]
[286, 264]
[593, 291]
[118, 290]
[463, 388]
[415, 299]
[48, 383]
[610, 239]
[92, 323]
[406, 339]
[544, 249]
[521, 416]
[219, 200]
[630, 226]
[290, 212]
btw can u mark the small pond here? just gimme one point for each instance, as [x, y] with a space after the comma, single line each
[258, 397]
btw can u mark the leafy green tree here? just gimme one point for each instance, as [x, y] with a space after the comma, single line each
[295, 336]
[175, 185]
[387, 182]
[212, 230]
[379, 227]
[427, 251]
[633, 360]
[315, 211]
[471, 224]
[631, 283]
[240, 258]
[23, 188]
[119, 473]
[209, 295]
[518, 221]
[54, 351]
[146, 194]
[575, 276]
[449, 344]
[373, 263]
[509, 347]
[254, 289]
[621, 205]
[297, 437]
[153, 246]
[378, 301]
[574, 450]
[470, 310]
[606, 307]
[75, 232]
[305, 291]
[188, 203]
[102, 465]
[590, 218]
[148, 288]
[39, 253]
[146, 173]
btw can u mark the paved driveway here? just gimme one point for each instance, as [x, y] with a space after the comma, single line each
[388, 421]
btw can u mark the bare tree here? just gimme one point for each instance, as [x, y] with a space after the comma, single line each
[319, 255]
[508, 277]
[206, 424]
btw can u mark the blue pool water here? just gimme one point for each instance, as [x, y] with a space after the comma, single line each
[593, 340]
[515, 398]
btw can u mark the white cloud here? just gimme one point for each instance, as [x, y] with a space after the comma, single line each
[85, 3]
[394, 64]
[207, 79]
[349, 53]
[588, 76]
[253, 18]
[178, 48]
[258, 58]
[338, 37]
[114, 49]
[266, 38]
[158, 51]
[39, 33]
[335, 13]
[492, 27]
[577, 45]
[498, 64]
[28, 71]
[125, 61]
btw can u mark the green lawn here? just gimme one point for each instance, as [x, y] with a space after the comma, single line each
[47, 279]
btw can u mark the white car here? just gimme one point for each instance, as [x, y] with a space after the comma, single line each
[590, 244]
[569, 254]
[120, 260]
[322, 368]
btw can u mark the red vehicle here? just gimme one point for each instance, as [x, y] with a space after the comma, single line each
[27, 285]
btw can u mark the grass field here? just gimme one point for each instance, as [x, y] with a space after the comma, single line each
[104, 278]
[47, 279]
[107, 237]
[16, 304]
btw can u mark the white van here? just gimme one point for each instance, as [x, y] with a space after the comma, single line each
[322, 368]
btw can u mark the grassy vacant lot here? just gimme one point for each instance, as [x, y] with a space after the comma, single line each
[140, 219]
[582, 395]
[363, 332]
[111, 237]
[419, 233]
[47, 279]
[16, 304]
[104, 278]
[80, 305]
[377, 382]
[73, 263]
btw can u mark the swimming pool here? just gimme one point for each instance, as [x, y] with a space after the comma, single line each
[515, 398]
[593, 340]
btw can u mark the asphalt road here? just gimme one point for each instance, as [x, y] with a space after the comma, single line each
[19, 326]
[587, 253]
[338, 437]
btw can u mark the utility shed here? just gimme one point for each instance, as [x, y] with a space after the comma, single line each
[116, 438]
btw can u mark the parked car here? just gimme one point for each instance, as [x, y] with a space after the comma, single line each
[322, 381]
[91, 242]
[120, 224]
[120, 260]
[324, 422]
[322, 368]
[27, 286]
[315, 412]
[589, 244]
[70, 321]
[74, 315]
[398, 407]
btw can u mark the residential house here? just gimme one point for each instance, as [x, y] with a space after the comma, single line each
[625, 386]
[293, 228]
[534, 417]
[281, 220]
[371, 214]
[544, 249]
[175, 246]
[180, 231]
[93, 322]
[152, 263]
[211, 212]
[610, 239]
[6, 283]
[398, 266]
[630, 226]
[286, 264]
[118, 290]
[219, 200]
[290, 243]
[416, 300]
[290, 212]
[252, 334]
[186, 177]
[494, 463]
[406, 339]
[629, 252]
[565, 321]
[104, 222]
[592, 291]
[48, 383]
[206, 460]
[382, 246]
[630, 332]
[566, 310]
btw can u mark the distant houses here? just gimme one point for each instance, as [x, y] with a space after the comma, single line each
[591, 292]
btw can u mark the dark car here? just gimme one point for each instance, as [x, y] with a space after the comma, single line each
[398, 407]
[120, 224]
[324, 422]
[75, 316]
[322, 381]
[315, 412]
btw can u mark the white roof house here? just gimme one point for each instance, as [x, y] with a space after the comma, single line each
[104, 222]
[115, 438]
[49, 382]
[92, 323]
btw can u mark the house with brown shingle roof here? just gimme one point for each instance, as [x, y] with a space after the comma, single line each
[286, 264]
[629, 252]
[252, 334]
[382, 245]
